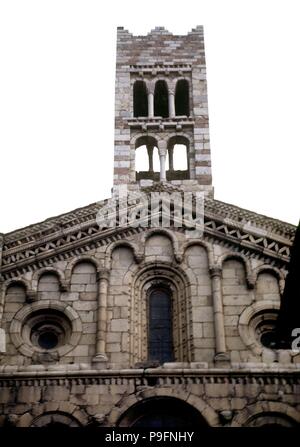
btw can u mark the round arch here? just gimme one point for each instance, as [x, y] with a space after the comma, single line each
[195, 406]
[239, 257]
[159, 274]
[55, 420]
[268, 412]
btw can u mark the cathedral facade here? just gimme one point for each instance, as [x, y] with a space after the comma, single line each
[107, 320]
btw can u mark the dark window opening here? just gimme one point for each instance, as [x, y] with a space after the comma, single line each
[48, 340]
[182, 106]
[162, 412]
[268, 339]
[140, 99]
[160, 326]
[161, 101]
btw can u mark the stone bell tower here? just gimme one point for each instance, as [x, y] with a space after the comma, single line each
[161, 107]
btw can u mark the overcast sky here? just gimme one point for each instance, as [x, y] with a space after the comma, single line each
[57, 62]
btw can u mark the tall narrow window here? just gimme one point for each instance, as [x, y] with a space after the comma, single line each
[182, 98]
[161, 101]
[140, 99]
[160, 340]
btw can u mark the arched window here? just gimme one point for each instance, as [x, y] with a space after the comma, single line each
[182, 98]
[160, 338]
[146, 159]
[161, 101]
[178, 154]
[140, 99]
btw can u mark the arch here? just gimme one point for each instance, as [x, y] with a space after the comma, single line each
[140, 99]
[248, 414]
[182, 98]
[204, 410]
[30, 295]
[178, 254]
[244, 260]
[141, 139]
[150, 161]
[265, 268]
[161, 99]
[145, 140]
[55, 419]
[179, 163]
[208, 248]
[79, 259]
[167, 275]
[137, 254]
[65, 408]
[53, 270]
[17, 282]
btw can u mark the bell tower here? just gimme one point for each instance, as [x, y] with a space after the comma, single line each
[161, 111]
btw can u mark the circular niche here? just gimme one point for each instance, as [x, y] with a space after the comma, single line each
[257, 326]
[264, 325]
[47, 329]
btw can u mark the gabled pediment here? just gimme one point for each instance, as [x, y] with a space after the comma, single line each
[78, 231]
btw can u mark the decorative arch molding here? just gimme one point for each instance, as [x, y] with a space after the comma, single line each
[17, 282]
[137, 253]
[178, 138]
[79, 259]
[31, 294]
[205, 245]
[168, 275]
[207, 412]
[55, 417]
[53, 270]
[265, 268]
[178, 252]
[244, 417]
[244, 260]
[66, 409]
[155, 138]
[175, 135]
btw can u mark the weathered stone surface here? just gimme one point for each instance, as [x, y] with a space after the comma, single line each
[94, 288]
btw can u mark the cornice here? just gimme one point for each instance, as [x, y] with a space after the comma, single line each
[77, 232]
[151, 377]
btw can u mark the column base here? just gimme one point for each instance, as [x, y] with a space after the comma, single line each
[100, 361]
[222, 358]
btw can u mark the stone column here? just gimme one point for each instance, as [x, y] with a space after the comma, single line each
[162, 159]
[150, 156]
[102, 277]
[150, 105]
[216, 273]
[171, 104]
[171, 164]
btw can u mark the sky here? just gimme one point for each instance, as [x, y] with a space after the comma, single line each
[57, 73]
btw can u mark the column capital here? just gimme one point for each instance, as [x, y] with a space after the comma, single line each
[215, 270]
[102, 273]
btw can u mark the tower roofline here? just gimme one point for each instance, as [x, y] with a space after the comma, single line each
[160, 30]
